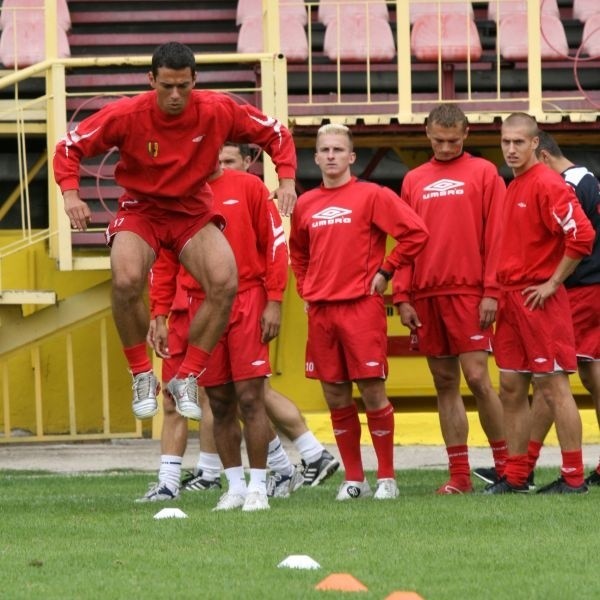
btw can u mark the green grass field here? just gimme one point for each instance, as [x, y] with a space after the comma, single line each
[83, 537]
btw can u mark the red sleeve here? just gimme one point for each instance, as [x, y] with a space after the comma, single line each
[276, 254]
[252, 126]
[162, 283]
[566, 216]
[493, 199]
[299, 250]
[401, 222]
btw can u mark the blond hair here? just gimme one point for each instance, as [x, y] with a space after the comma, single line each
[335, 129]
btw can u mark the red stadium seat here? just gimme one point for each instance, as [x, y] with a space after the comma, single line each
[590, 38]
[503, 8]
[33, 10]
[294, 43]
[332, 9]
[23, 44]
[449, 36]
[420, 9]
[513, 41]
[253, 8]
[584, 9]
[356, 38]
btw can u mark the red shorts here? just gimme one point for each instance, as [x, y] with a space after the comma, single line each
[159, 227]
[534, 341]
[586, 320]
[239, 354]
[347, 340]
[179, 326]
[450, 326]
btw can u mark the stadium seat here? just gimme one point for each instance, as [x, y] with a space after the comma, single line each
[502, 8]
[590, 38]
[420, 9]
[253, 8]
[293, 40]
[356, 38]
[453, 37]
[332, 9]
[23, 44]
[32, 10]
[583, 9]
[513, 41]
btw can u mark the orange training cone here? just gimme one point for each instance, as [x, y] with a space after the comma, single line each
[404, 596]
[341, 582]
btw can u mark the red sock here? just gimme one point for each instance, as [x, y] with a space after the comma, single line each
[381, 427]
[138, 359]
[499, 452]
[458, 465]
[598, 469]
[347, 430]
[517, 469]
[533, 453]
[572, 467]
[193, 363]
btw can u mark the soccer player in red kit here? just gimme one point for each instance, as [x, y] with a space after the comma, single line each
[545, 236]
[236, 369]
[169, 140]
[338, 254]
[449, 298]
[583, 289]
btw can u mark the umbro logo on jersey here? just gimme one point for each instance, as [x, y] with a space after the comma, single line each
[332, 215]
[257, 363]
[476, 337]
[372, 363]
[540, 360]
[442, 188]
[231, 201]
[198, 139]
[522, 204]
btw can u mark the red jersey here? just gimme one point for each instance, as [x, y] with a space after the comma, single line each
[338, 239]
[461, 202]
[543, 221]
[255, 233]
[166, 159]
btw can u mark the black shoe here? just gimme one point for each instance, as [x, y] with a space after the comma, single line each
[503, 487]
[560, 486]
[196, 483]
[593, 478]
[530, 481]
[318, 471]
[486, 474]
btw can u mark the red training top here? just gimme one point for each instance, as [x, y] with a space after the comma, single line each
[338, 239]
[461, 203]
[543, 221]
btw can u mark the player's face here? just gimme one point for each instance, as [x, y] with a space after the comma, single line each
[334, 155]
[518, 147]
[231, 158]
[446, 142]
[173, 88]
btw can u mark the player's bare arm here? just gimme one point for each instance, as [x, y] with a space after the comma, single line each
[286, 196]
[77, 210]
[487, 311]
[408, 315]
[270, 321]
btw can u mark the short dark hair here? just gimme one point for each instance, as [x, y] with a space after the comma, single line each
[548, 143]
[447, 115]
[524, 119]
[245, 149]
[173, 55]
